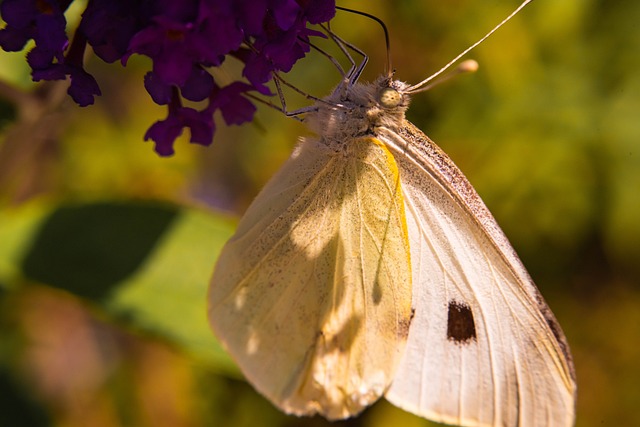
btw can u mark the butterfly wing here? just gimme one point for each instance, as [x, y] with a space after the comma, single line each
[483, 349]
[312, 296]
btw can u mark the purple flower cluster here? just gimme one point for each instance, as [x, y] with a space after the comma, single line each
[183, 38]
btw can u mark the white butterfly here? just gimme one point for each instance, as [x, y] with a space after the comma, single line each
[369, 266]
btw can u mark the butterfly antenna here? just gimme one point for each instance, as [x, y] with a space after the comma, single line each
[468, 66]
[388, 70]
[422, 85]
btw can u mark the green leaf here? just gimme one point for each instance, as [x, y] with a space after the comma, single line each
[148, 265]
[88, 249]
[168, 294]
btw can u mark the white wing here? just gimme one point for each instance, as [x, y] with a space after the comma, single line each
[312, 296]
[483, 348]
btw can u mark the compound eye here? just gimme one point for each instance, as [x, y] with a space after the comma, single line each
[389, 97]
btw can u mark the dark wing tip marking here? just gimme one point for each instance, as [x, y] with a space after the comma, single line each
[556, 330]
[461, 327]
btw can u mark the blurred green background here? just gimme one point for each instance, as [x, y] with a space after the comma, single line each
[548, 132]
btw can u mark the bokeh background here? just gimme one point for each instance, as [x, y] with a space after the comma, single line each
[547, 130]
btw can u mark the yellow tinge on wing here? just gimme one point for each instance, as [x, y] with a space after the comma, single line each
[312, 296]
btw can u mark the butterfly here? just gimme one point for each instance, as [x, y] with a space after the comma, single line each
[368, 266]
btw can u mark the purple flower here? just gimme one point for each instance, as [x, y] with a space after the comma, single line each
[160, 92]
[198, 86]
[283, 41]
[109, 26]
[236, 109]
[318, 11]
[44, 22]
[220, 32]
[183, 39]
[20, 17]
[164, 132]
[257, 69]
[40, 20]
[285, 12]
[83, 85]
[176, 46]
[168, 44]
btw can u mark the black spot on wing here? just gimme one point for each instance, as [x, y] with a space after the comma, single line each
[461, 327]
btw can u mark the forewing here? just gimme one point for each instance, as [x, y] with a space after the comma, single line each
[483, 348]
[312, 296]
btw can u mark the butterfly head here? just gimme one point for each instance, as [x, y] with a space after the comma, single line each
[389, 97]
[360, 109]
